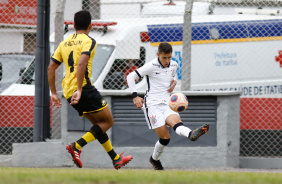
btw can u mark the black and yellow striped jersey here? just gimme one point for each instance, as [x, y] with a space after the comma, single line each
[69, 52]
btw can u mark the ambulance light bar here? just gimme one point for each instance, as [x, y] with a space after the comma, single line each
[104, 24]
[97, 23]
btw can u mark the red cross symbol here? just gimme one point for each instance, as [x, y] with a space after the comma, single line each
[279, 58]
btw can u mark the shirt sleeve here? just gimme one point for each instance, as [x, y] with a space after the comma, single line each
[131, 81]
[138, 73]
[57, 56]
[88, 46]
[144, 70]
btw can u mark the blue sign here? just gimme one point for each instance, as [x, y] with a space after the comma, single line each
[177, 58]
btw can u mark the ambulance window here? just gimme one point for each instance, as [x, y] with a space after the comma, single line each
[102, 55]
[116, 78]
[12, 68]
[27, 74]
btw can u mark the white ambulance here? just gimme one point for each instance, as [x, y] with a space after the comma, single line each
[228, 52]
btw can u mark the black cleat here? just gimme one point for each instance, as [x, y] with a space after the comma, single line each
[195, 134]
[157, 165]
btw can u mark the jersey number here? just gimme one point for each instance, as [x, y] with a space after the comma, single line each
[71, 62]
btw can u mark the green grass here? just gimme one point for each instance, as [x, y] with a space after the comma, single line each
[111, 176]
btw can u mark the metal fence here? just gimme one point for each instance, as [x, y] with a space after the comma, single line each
[236, 45]
[18, 35]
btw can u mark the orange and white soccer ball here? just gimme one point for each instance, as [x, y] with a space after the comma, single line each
[178, 102]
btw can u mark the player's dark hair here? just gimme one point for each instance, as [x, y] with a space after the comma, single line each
[165, 48]
[82, 20]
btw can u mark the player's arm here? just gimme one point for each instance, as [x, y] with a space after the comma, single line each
[87, 48]
[137, 74]
[138, 101]
[81, 68]
[172, 86]
[51, 79]
[173, 83]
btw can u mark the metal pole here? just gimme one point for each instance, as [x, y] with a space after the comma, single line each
[41, 124]
[46, 92]
[59, 36]
[186, 50]
[59, 23]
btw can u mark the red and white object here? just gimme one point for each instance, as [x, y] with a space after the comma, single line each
[178, 102]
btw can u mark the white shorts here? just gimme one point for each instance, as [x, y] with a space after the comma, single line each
[156, 115]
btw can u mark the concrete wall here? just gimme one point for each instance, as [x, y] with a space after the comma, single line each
[226, 154]
[14, 41]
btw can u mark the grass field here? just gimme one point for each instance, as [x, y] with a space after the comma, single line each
[111, 176]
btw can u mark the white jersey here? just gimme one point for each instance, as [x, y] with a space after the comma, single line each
[159, 79]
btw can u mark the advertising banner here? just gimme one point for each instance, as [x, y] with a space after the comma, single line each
[19, 12]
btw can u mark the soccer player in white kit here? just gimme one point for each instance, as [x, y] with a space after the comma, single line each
[161, 78]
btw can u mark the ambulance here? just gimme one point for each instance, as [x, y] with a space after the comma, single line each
[217, 63]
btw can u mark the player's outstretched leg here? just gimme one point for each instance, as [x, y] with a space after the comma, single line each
[157, 165]
[122, 161]
[195, 134]
[75, 153]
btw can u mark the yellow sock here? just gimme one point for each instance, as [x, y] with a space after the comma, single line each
[107, 146]
[88, 137]
[109, 149]
[77, 146]
[117, 157]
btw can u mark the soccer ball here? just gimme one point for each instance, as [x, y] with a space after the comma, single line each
[178, 102]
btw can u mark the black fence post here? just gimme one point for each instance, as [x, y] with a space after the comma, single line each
[41, 124]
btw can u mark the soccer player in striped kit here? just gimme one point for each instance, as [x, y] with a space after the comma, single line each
[161, 78]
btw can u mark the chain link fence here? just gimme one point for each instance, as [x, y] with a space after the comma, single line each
[17, 53]
[236, 45]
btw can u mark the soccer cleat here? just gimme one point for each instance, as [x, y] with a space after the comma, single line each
[157, 165]
[122, 161]
[195, 134]
[75, 153]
